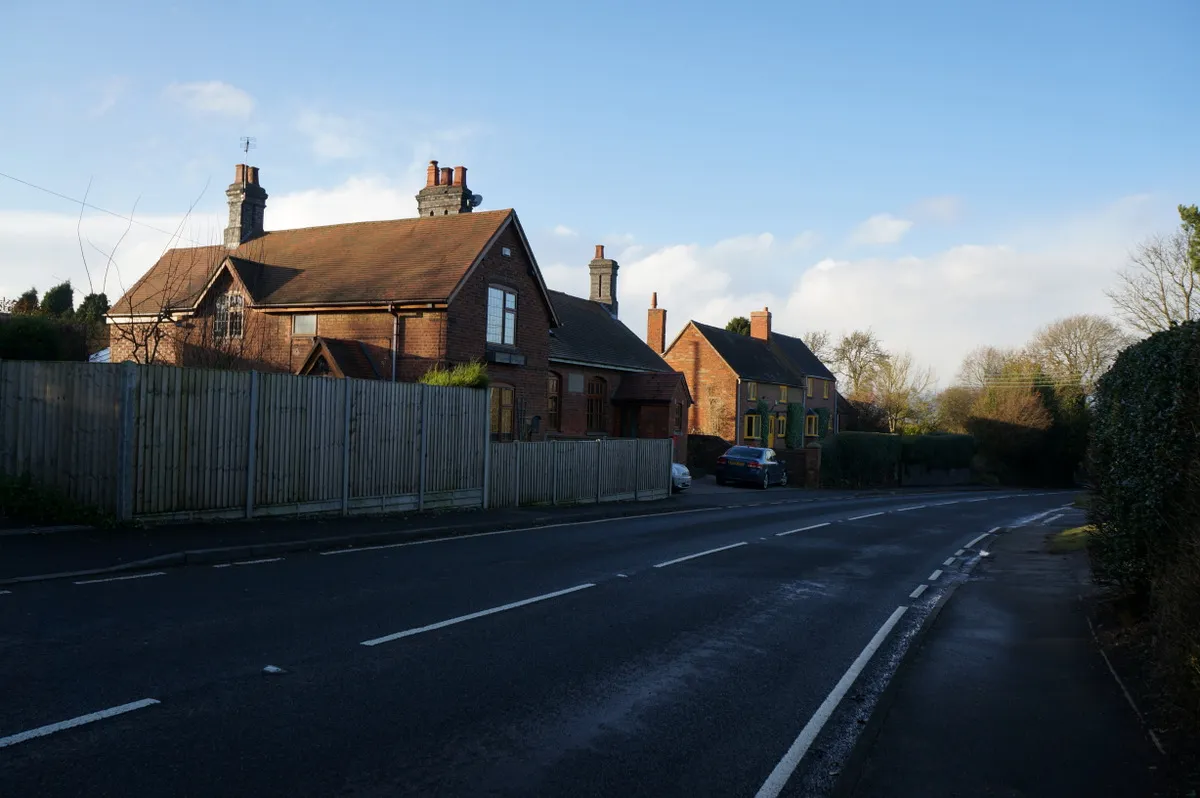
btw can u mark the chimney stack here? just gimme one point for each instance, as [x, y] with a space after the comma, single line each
[460, 176]
[447, 176]
[445, 192]
[247, 207]
[431, 174]
[602, 272]
[656, 325]
[760, 324]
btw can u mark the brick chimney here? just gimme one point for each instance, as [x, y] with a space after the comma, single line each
[247, 206]
[760, 324]
[445, 191]
[602, 272]
[656, 325]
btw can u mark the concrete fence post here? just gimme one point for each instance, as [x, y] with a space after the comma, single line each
[554, 472]
[637, 468]
[487, 447]
[252, 445]
[346, 399]
[516, 473]
[125, 464]
[423, 392]
[599, 467]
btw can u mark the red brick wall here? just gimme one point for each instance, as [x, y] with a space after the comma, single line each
[707, 378]
[573, 406]
[465, 333]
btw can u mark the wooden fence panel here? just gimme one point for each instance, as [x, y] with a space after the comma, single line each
[454, 461]
[502, 486]
[385, 440]
[617, 481]
[60, 424]
[301, 435]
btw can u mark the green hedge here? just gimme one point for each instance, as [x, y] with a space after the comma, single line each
[42, 338]
[795, 425]
[1140, 454]
[462, 375]
[937, 452]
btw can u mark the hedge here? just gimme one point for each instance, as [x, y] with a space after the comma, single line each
[462, 375]
[795, 425]
[42, 338]
[876, 459]
[937, 452]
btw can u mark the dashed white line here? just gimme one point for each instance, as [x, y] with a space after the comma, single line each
[783, 771]
[949, 561]
[1052, 519]
[868, 515]
[5, 592]
[933, 577]
[959, 553]
[42, 731]
[971, 545]
[699, 554]
[442, 624]
[914, 507]
[801, 529]
[917, 593]
[248, 562]
[120, 578]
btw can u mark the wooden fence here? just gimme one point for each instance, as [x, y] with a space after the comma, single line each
[574, 472]
[167, 443]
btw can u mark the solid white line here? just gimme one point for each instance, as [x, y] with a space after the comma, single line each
[699, 554]
[917, 593]
[42, 731]
[1052, 519]
[868, 515]
[971, 545]
[527, 529]
[1121, 684]
[120, 578]
[914, 507]
[783, 771]
[949, 561]
[801, 529]
[474, 615]
[933, 577]
[248, 562]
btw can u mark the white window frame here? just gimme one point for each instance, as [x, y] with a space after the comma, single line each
[229, 320]
[297, 316]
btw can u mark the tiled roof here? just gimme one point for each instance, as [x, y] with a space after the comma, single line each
[586, 333]
[649, 387]
[346, 358]
[785, 360]
[402, 260]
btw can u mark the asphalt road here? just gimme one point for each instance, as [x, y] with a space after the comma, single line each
[623, 669]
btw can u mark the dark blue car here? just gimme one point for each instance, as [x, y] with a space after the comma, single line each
[751, 464]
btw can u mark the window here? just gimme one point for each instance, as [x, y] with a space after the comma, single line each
[810, 424]
[783, 394]
[825, 387]
[752, 391]
[502, 413]
[304, 324]
[230, 320]
[781, 426]
[597, 399]
[753, 426]
[506, 252]
[679, 417]
[553, 400]
[810, 387]
[502, 316]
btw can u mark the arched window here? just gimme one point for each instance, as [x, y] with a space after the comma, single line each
[553, 401]
[230, 319]
[597, 403]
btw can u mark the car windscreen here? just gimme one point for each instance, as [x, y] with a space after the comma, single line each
[744, 451]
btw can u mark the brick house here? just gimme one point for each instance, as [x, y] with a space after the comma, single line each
[372, 300]
[729, 373]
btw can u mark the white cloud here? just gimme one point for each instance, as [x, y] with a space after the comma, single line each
[882, 228]
[945, 209]
[332, 136]
[109, 92]
[359, 199]
[564, 231]
[805, 241]
[211, 97]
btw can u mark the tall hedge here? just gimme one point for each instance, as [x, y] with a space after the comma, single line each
[876, 459]
[937, 452]
[42, 338]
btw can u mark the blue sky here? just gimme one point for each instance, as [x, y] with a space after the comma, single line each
[732, 158]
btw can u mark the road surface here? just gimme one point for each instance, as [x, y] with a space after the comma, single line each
[715, 652]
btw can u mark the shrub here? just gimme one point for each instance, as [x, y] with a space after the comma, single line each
[860, 460]
[22, 499]
[795, 425]
[42, 338]
[461, 375]
[937, 452]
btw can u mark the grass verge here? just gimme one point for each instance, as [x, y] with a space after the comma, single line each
[1069, 540]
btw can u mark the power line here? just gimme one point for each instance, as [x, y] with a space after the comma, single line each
[129, 219]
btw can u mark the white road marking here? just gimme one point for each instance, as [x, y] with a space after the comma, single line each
[623, 576]
[933, 577]
[868, 515]
[699, 554]
[917, 593]
[1052, 519]
[971, 545]
[474, 615]
[42, 731]
[969, 501]
[959, 553]
[914, 507]
[248, 562]
[5, 592]
[120, 578]
[1121, 684]
[949, 561]
[783, 771]
[801, 529]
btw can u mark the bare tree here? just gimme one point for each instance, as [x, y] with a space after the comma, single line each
[954, 408]
[857, 356]
[820, 343]
[716, 412]
[1078, 349]
[1158, 289]
[899, 388]
[985, 364]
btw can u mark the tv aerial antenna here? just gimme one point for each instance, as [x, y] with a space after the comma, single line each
[248, 143]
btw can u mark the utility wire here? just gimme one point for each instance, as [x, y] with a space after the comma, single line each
[129, 219]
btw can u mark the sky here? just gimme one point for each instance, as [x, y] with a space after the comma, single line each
[948, 174]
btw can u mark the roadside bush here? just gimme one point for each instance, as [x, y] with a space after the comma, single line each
[22, 499]
[860, 460]
[461, 375]
[795, 425]
[937, 452]
[42, 338]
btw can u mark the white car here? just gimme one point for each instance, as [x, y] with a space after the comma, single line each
[681, 478]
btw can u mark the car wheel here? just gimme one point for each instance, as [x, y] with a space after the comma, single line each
[766, 481]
